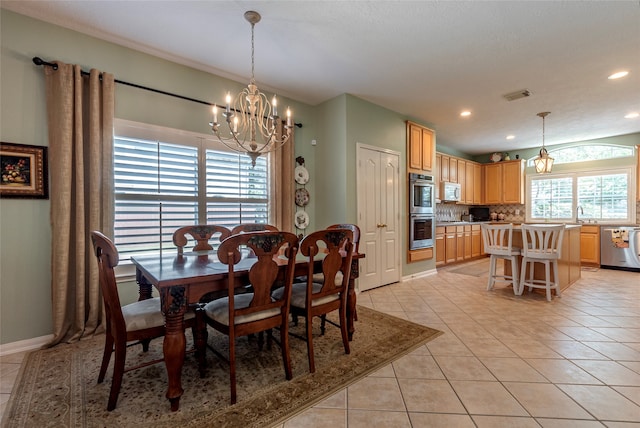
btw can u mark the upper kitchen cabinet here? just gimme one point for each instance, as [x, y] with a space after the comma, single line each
[638, 173]
[504, 182]
[421, 145]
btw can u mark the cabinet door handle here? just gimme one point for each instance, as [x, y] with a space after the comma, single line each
[381, 225]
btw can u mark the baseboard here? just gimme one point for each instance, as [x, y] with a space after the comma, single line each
[420, 274]
[24, 345]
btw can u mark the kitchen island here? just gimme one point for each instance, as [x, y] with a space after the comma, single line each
[569, 261]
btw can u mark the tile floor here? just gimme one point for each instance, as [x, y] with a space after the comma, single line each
[504, 360]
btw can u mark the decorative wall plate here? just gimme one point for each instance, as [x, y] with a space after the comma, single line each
[302, 219]
[496, 157]
[302, 197]
[301, 175]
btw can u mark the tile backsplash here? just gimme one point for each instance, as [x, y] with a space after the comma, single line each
[512, 212]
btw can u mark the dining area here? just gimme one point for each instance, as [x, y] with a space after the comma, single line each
[251, 280]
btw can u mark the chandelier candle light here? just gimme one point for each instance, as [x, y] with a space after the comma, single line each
[253, 122]
[543, 162]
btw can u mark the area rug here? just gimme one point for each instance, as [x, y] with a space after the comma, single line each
[57, 387]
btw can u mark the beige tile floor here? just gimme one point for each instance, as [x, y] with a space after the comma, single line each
[504, 360]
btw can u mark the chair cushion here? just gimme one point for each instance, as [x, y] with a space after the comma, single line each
[298, 294]
[218, 310]
[319, 278]
[145, 314]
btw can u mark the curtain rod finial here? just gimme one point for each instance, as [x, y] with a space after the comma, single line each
[39, 61]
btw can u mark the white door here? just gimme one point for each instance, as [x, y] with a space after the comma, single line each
[378, 189]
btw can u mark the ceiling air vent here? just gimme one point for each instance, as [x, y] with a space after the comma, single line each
[522, 93]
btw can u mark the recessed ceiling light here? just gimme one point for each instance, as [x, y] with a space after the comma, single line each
[618, 75]
[465, 113]
[632, 115]
[510, 137]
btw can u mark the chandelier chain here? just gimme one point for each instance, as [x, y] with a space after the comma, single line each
[253, 80]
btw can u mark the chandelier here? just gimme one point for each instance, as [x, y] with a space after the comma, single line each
[252, 121]
[543, 162]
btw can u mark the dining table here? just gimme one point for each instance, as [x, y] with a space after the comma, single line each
[183, 280]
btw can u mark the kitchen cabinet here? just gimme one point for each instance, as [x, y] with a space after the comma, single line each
[468, 183]
[440, 248]
[467, 242]
[504, 182]
[450, 247]
[453, 169]
[421, 146]
[477, 184]
[638, 173]
[590, 245]
[436, 176]
[462, 180]
[444, 167]
[477, 248]
[459, 243]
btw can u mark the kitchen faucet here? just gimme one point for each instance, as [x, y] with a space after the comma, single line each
[579, 211]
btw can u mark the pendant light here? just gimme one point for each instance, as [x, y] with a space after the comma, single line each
[252, 121]
[543, 162]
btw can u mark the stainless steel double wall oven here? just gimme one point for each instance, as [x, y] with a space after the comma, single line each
[422, 207]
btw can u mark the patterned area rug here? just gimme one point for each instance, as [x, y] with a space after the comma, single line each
[57, 387]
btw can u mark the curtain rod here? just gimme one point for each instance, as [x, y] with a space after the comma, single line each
[39, 61]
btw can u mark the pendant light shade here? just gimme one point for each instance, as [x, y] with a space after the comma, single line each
[543, 162]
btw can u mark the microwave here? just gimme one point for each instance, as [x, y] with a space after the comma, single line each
[449, 192]
[422, 195]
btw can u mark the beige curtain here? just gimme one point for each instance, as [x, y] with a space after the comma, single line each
[80, 111]
[282, 186]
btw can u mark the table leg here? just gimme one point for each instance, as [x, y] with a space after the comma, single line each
[351, 298]
[174, 346]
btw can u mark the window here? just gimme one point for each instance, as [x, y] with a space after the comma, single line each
[585, 195]
[583, 152]
[165, 178]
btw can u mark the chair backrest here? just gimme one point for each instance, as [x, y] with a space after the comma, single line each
[337, 246]
[497, 238]
[353, 228]
[108, 258]
[264, 272]
[253, 227]
[542, 241]
[202, 233]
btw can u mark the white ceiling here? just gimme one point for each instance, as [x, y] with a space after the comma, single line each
[426, 59]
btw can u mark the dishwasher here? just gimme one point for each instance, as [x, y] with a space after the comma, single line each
[620, 247]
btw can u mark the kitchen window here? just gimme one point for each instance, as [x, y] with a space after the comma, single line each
[601, 196]
[166, 178]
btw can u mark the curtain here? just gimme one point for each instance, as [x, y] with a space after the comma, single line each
[80, 113]
[281, 168]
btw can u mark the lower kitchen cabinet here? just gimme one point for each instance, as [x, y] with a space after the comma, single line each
[458, 243]
[440, 248]
[590, 245]
[450, 247]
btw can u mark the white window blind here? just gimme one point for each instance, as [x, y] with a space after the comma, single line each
[583, 195]
[168, 180]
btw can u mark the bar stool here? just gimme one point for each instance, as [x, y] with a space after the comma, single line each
[497, 240]
[541, 244]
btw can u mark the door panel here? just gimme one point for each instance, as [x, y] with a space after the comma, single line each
[378, 190]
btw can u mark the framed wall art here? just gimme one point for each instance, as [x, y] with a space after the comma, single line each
[23, 171]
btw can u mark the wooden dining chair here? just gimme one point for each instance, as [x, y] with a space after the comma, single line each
[202, 234]
[253, 227]
[140, 321]
[249, 313]
[311, 299]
